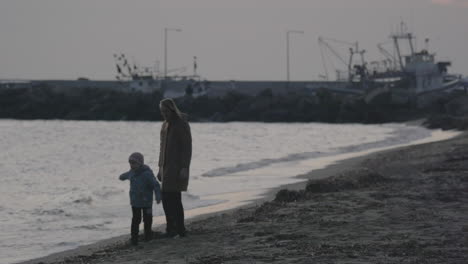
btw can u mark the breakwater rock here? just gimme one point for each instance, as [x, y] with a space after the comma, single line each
[322, 106]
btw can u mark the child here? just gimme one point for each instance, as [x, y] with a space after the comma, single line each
[142, 185]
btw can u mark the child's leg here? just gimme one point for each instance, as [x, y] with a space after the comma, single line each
[148, 221]
[136, 220]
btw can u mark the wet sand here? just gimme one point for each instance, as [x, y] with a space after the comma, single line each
[408, 205]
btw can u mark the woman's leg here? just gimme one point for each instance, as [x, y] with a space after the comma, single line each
[179, 213]
[167, 200]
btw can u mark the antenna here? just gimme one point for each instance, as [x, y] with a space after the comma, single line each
[194, 65]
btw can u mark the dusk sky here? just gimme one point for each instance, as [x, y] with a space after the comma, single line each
[238, 39]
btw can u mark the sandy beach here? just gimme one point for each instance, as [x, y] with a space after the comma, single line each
[408, 205]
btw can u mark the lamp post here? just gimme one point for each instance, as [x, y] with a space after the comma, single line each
[287, 50]
[165, 48]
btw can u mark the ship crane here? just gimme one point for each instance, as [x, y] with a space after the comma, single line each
[389, 57]
[353, 49]
[127, 71]
[124, 70]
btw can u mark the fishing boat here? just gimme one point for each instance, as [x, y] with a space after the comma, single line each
[412, 77]
[149, 79]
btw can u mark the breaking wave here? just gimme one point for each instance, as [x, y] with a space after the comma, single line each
[262, 163]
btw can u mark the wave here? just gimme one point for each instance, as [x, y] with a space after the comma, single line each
[401, 136]
[100, 226]
[106, 192]
[202, 203]
[190, 196]
[194, 201]
[261, 163]
[67, 244]
[84, 200]
[49, 212]
[398, 136]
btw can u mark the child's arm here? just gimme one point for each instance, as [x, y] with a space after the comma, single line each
[124, 176]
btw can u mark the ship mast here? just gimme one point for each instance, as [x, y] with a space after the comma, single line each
[403, 34]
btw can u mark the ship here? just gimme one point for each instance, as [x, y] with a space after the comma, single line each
[414, 77]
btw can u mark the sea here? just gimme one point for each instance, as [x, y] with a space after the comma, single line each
[59, 179]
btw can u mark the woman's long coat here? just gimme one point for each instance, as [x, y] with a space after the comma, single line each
[175, 153]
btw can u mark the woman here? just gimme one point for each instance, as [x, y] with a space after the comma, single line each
[175, 154]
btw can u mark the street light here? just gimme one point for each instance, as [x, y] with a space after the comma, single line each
[287, 49]
[165, 48]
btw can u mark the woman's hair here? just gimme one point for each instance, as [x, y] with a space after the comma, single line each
[170, 104]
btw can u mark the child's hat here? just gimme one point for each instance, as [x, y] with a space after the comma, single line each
[137, 157]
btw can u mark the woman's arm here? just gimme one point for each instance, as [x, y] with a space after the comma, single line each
[186, 145]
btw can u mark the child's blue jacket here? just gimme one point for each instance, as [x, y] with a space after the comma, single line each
[142, 185]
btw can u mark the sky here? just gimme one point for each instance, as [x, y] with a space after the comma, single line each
[232, 39]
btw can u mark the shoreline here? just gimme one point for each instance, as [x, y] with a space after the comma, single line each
[335, 166]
